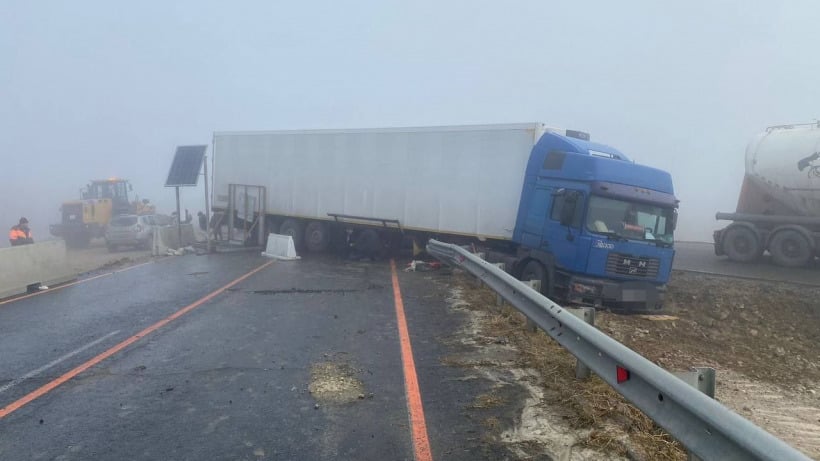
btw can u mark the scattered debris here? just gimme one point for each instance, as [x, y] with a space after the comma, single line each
[181, 251]
[422, 266]
[335, 383]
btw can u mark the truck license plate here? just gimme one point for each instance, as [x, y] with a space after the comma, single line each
[633, 295]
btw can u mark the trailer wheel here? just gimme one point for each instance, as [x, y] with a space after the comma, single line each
[790, 248]
[317, 236]
[295, 229]
[742, 244]
[534, 270]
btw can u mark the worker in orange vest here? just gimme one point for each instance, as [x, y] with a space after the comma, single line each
[21, 234]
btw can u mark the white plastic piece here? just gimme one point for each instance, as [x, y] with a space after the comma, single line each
[281, 247]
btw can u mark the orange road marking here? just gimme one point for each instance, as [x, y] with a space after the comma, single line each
[51, 385]
[421, 443]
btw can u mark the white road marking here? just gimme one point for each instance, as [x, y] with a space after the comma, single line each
[33, 373]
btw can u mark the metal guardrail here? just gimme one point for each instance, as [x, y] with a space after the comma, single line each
[705, 427]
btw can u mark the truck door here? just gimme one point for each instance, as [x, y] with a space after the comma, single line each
[563, 228]
[533, 230]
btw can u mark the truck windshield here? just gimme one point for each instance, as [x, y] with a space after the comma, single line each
[629, 220]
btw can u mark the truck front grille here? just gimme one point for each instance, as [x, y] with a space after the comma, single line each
[632, 266]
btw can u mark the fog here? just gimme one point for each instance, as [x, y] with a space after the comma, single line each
[97, 89]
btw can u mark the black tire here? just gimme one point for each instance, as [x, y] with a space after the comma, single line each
[317, 236]
[367, 244]
[295, 229]
[742, 244]
[534, 270]
[790, 248]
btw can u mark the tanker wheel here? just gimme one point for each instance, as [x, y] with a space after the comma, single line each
[742, 244]
[317, 236]
[295, 229]
[790, 248]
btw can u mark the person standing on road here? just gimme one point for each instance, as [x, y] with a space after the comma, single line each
[216, 225]
[21, 234]
[202, 221]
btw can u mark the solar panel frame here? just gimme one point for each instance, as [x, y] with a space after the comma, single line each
[185, 168]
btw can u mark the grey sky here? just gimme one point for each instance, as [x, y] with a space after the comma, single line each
[97, 88]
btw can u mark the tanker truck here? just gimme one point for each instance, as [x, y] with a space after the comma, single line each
[593, 226]
[778, 210]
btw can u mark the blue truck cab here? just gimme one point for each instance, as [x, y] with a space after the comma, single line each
[593, 226]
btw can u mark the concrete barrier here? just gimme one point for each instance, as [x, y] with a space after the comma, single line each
[167, 237]
[39, 263]
[280, 247]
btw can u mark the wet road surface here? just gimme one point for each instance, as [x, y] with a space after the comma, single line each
[700, 257]
[110, 369]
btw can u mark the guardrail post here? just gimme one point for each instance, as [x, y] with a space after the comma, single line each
[587, 314]
[702, 379]
[477, 278]
[499, 301]
[535, 285]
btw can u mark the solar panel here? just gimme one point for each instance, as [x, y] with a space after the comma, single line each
[185, 168]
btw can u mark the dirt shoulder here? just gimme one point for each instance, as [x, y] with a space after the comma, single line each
[761, 337]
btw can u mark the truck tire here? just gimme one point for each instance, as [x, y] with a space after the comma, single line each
[742, 244]
[790, 248]
[534, 270]
[367, 244]
[295, 229]
[317, 236]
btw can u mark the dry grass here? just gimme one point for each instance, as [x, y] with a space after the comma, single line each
[483, 401]
[617, 426]
[492, 423]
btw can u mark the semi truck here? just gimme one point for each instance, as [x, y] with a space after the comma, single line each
[778, 210]
[593, 226]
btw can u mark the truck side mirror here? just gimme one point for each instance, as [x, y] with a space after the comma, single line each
[674, 223]
[568, 209]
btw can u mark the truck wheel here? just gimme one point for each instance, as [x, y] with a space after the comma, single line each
[317, 236]
[295, 229]
[367, 244]
[741, 244]
[790, 248]
[534, 270]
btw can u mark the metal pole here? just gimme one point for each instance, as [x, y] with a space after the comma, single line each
[245, 220]
[179, 221]
[702, 379]
[587, 314]
[207, 207]
[535, 285]
[262, 205]
[231, 209]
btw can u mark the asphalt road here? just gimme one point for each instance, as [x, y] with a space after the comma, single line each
[229, 378]
[700, 257]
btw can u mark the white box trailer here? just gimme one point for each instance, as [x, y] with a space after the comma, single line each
[464, 180]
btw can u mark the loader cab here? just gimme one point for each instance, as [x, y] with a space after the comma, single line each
[112, 189]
